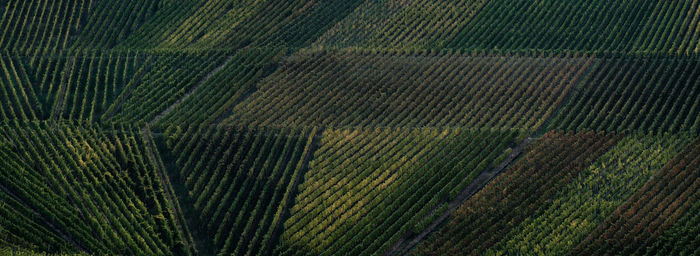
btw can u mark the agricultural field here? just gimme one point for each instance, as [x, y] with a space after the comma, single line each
[349, 127]
[425, 89]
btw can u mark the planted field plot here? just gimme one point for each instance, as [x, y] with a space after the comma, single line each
[354, 88]
[17, 93]
[78, 188]
[638, 223]
[112, 21]
[92, 82]
[592, 195]
[649, 94]
[411, 24]
[526, 188]
[622, 26]
[41, 26]
[241, 182]
[227, 24]
[215, 98]
[163, 80]
[366, 188]
[78, 85]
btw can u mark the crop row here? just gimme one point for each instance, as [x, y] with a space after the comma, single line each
[601, 25]
[92, 83]
[223, 24]
[593, 195]
[522, 190]
[18, 97]
[391, 89]
[110, 22]
[636, 224]
[84, 83]
[217, 96]
[164, 79]
[20, 225]
[96, 187]
[683, 237]
[367, 188]
[41, 26]
[648, 94]
[412, 24]
[240, 181]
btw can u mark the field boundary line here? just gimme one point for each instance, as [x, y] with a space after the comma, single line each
[407, 242]
[174, 205]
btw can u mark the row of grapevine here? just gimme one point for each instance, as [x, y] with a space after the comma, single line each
[636, 224]
[649, 94]
[84, 83]
[522, 190]
[112, 21]
[165, 78]
[93, 82]
[673, 27]
[380, 89]
[602, 25]
[239, 181]
[25, 252]
[226, 24]
[36, 27]
[17, 94]
[683, 237]
[557, 25]
[217, 96]
[412, 24]
[592, 195]
[367, 188]
[20, 226]
[95, 186]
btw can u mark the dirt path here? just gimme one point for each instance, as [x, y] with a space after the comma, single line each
[46, 222]
[126, 92]
[188, 94]
[173, 203]
[409, 241]
[61, 97]
[288, 200]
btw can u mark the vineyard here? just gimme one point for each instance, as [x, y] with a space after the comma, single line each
[242, 184]
[349, 127]
[86, 190]
[655, 95]
[396, 89]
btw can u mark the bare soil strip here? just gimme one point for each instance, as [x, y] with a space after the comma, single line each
[409, 241]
